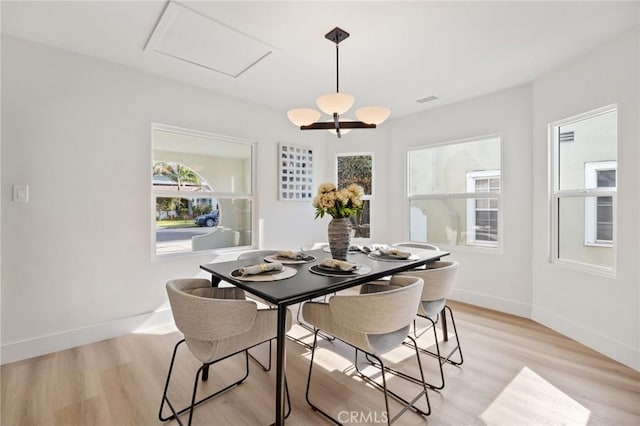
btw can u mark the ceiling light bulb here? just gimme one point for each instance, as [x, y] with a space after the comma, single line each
[373, 114]
[337, 103]
[303, 116]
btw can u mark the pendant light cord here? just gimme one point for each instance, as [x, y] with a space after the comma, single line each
[337, 70]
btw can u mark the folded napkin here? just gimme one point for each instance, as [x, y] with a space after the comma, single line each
[339, 264]
[372, 248]
[394, 252]
[291, 254]
[260, 268]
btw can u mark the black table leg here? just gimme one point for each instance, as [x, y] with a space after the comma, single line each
[280, 364]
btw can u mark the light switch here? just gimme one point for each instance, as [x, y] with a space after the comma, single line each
[21, 193]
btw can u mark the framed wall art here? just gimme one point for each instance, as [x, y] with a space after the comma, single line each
[295, 177]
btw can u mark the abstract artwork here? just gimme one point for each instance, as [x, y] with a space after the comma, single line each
[296, 173]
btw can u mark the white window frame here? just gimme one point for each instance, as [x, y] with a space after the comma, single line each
[471, 206]
[490, 248]
[556, 194]
[214, 194]
[591, 170]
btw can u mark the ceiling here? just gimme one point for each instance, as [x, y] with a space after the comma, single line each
[398, 52]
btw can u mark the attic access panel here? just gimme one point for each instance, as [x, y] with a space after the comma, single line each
[186, 35]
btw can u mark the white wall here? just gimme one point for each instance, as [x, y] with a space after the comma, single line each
[602, 313]
[76, 263]
[507, 114]
[76, 260]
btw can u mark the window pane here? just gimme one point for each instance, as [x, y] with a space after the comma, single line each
[443, 169]
[482, 185]
[605, 232]
[356, 169]
[445, 222]
[439, 221]
[595, 140]
[224, 166]
[360, 223]
[606, 178]
[571, 234]
[482, 203]
[227, 223]
[486, 228]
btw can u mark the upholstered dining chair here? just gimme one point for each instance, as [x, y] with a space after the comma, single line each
[439, 279]
[424, 246]
[313, 246]
[374, 324]
[217, 323]
[299, 321]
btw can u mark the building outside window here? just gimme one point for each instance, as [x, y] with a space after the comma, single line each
[202, 193]
[482, 213]
[455, 193]
[583, 208]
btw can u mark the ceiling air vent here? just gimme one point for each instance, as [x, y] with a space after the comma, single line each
[567, 136]
[427, 99]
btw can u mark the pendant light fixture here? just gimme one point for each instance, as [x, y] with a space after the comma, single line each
[336, 104]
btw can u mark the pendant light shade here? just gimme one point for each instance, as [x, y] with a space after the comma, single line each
[336, 104]
[303, 116]
[373, 114]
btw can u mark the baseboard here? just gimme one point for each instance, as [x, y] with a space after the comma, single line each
[597, 341]
[491, 302]
[29, 348]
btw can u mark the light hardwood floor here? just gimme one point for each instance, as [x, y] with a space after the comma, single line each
[516, 372]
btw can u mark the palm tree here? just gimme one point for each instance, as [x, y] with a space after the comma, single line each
[177, 173]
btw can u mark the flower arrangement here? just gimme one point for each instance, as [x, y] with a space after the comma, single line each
[338, 203]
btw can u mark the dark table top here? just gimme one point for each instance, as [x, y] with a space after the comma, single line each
[305, 284]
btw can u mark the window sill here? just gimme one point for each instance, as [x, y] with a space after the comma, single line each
[585, 267]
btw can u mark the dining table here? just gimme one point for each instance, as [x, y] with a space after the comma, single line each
[308, 279]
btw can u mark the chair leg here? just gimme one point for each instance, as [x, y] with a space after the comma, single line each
[268, 366]
[442, 359]
[311, 404]
[407, 404]
[386, 391]
[176, 413]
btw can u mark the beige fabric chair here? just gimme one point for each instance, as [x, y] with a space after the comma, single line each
[439, 279]
[258, 254]
[424, 246]
[372, 323]
[217, 323]
[313, 246]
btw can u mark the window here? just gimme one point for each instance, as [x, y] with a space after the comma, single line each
[583, 208]
[358, 169]
[202, 191]
[454, 193]
[482, 213]
[599, 210]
